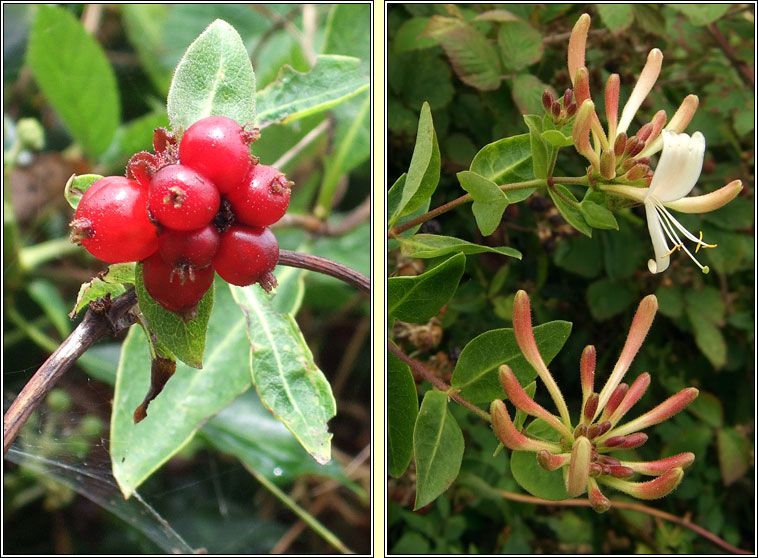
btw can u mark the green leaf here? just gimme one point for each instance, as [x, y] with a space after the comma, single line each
[548, 485]
[670, 301]
[287, 380]
[569, 209]
[44, 293]
[520, 417]
[597, 216]
[708, 408]
[424, 171]
[295, 95]
[701, 14]
[557, 139]
[402, 409]
[489, 200]
[419, 77]
[214, 77]
[527, 91]
[608, 297]
[708, 337]
[625, 251]
[475, 373]
[616, 17]
[77, 185]
[507, 161]
[185, 339]
[471, 55]
[540, 152]
[348, 33]
[76, 78]
[580, 255]
[707, 303]
[408, 37]
[108, 282]
[393, 201]
[435, 245]
[144, 26]
[247, 430]
[520, 44]
[438, 447]
[352, 146]
[418, 299]
[190, 397]
[734, 454]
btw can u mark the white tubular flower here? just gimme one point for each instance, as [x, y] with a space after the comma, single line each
[675, 176]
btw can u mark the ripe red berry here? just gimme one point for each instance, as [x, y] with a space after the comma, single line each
[189, 249]
[219, 148]
[262, 199]
[174, 290]
[182, 199]
[111, 221]
[247, 255]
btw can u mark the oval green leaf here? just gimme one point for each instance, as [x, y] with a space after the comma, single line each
[489, 200]
[563, 198]
[438, 446]
[402, 409]
[548, 485]
[436, 245]
[214, 77]
[506, 161]
[418, 299]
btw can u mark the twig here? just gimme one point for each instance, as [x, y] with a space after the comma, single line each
[304, 142]
[629, 506]
[312, 224]
[436, 382]
[743, 69]
[98, 324]
[327, 267]
[94, 326]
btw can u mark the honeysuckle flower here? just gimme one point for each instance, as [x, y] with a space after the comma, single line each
[674, 178]
[582, 451]
[622, 162]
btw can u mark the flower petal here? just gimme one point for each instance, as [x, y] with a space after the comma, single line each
[679, 167]
[708, 202]
[649, 490]
[642, 88]
[662, 251]
[510, 437]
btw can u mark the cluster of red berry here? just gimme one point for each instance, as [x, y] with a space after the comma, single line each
[195, 206]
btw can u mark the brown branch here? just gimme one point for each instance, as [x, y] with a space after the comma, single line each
[436, 382]
[95, 325]
[351, 221]
[746, 73]
[102, 320]
[628, 506]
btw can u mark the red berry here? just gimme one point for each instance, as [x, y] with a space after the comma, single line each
[262, 199]
[247, 255]
[111, 221]
[219, 148]
[182, 199]
[191, 249]
[172, 289]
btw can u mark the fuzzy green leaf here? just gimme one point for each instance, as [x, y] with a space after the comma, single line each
[402, 409]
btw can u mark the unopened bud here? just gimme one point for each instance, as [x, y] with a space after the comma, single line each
[547, 100]
[608, 460]
[615, 399]
[591, 406]
[568, 97]
[637, 172]
[608, 164]
[598, 429]
[556, 109]
[643, 160]
[596, 470]
[634, 440]
[580, 430]
[550, 461]
[598, 502]
[615, 441]
[571, 110]
[645, 132]
[621, 472]
[636, 148]
[620, 144]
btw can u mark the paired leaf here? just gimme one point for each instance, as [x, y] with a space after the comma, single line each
[541, 152]
[188, 400]
[438, 447]
[489, 200]
[418, 299]
[402, 409]
[435, 245]
[568, 206]
[108, 282]
[186, 340]
[597, 216]
[475, 373]
[424, 171]
[295, 95]
[471, 55]
[548, 485]
[214, 77]
[506, 161]
[287, 380]
[76, 78]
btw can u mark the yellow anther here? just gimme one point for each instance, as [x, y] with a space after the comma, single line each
[700, 243]
[674, 249]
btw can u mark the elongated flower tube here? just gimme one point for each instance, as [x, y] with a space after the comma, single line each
[582, 450]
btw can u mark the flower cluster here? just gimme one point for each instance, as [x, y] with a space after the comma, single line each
[583, 450]
[620, 163]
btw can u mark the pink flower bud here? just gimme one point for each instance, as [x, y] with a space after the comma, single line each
[598, 429]
[645, 132]
[571, 110]
[621, 472]
[615, 400]
[634, 440]
[512, 438]
[650, 490]
[608, 460]
[581, 132]
[598, 502]
[590, 407]
[556, 109]
[582, 86]
[579, 467]
[587, 369]
[580, 430]
[619, 146]
[608, 164]
[614, 441]
[576, 47]
[612, 104]
[551, 462]
[567, 97]
[665, 410]
[660, 466]
[635, 392]
[636, 172]
[657, 125]
[547, 100]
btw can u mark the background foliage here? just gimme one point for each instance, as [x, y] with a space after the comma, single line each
[119, 61]
[479, 68]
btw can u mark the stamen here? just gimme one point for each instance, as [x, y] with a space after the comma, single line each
[674, 249]
[703, 244]
[669, 222]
